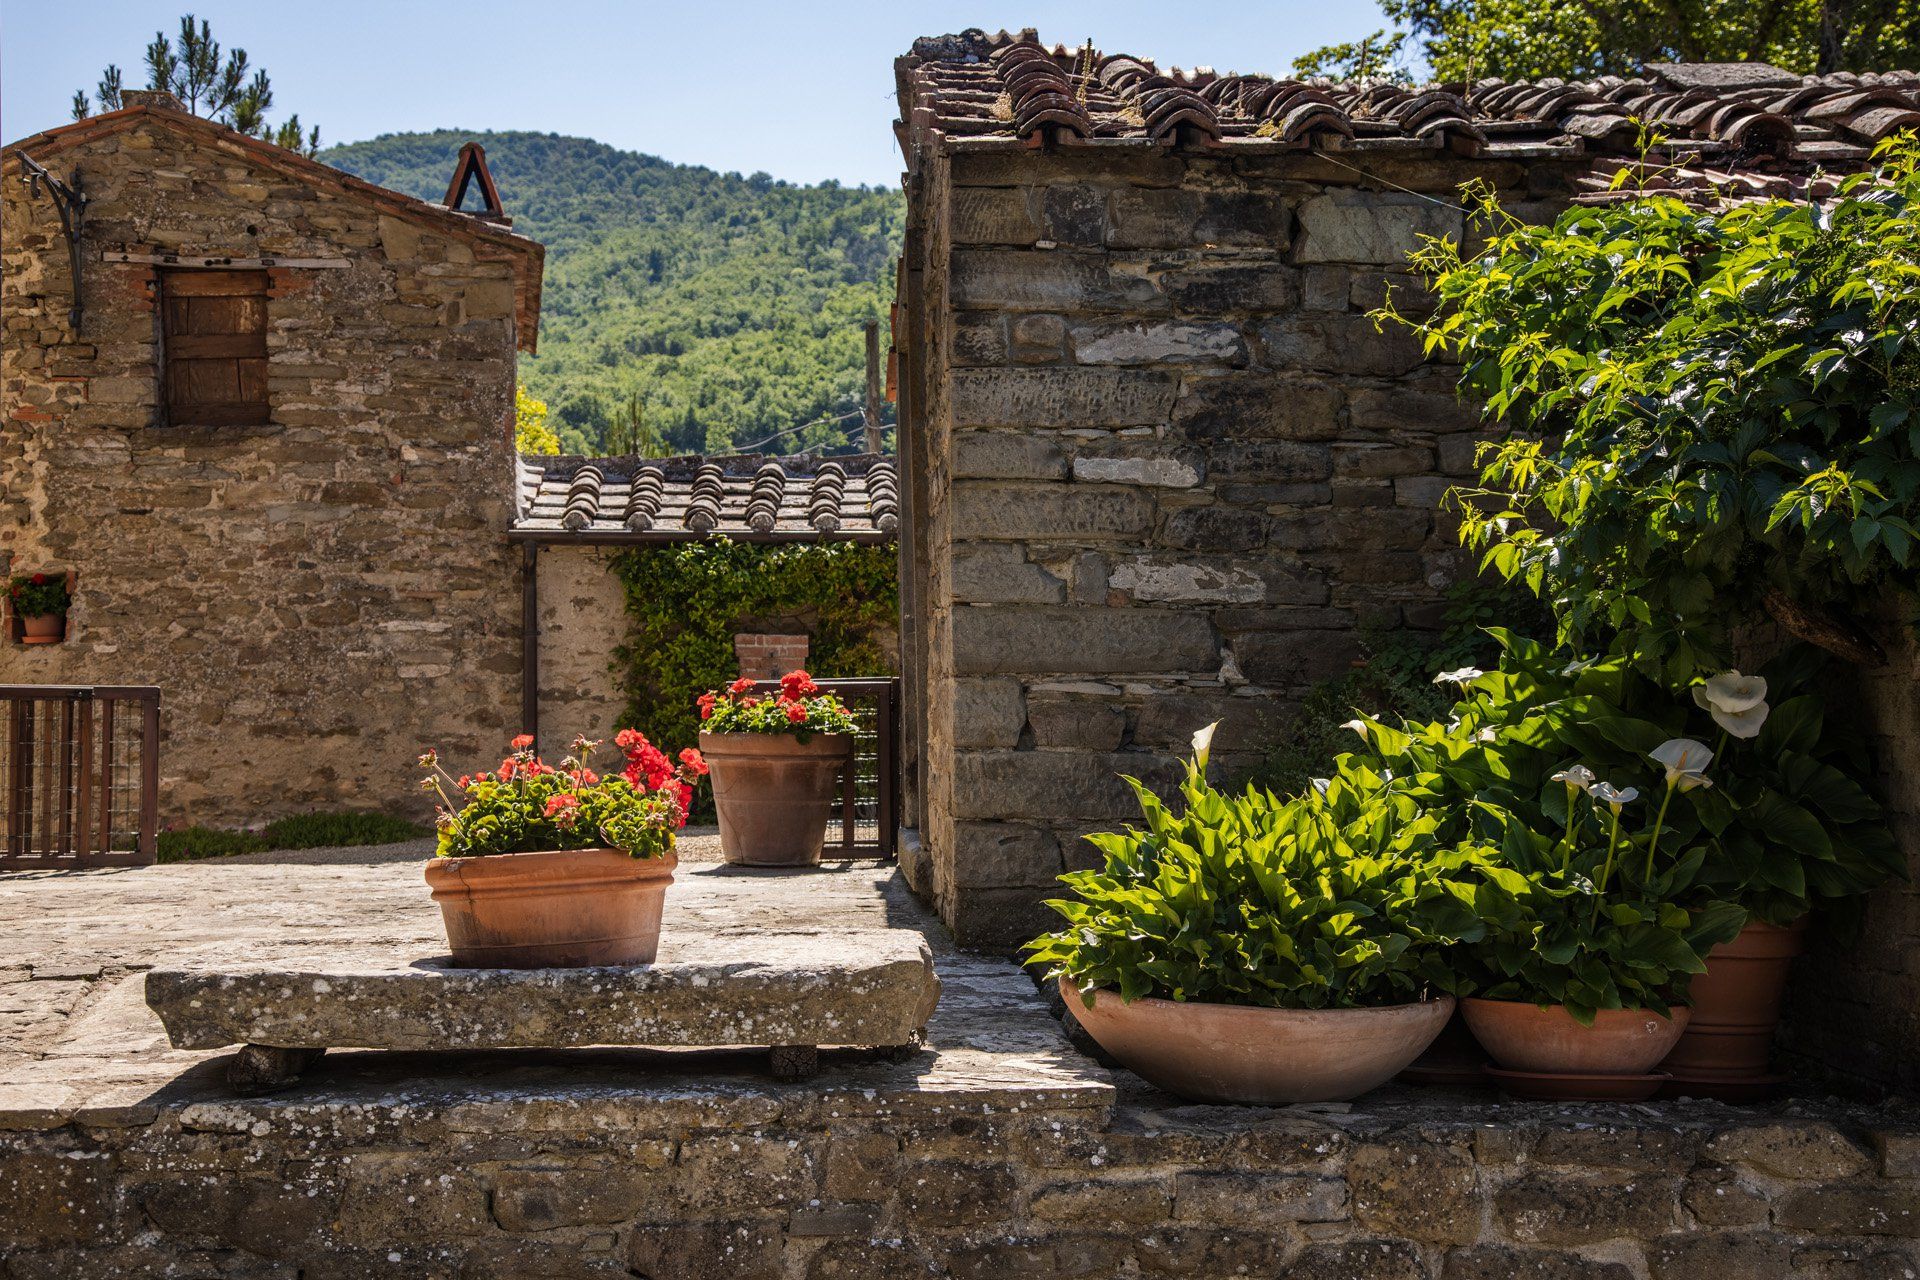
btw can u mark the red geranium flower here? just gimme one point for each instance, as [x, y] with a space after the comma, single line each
[629, 739]
[741, 685]
[795, 713]
[584, 777]
[797, 684]
[507, 767]
[39, 579]
[692, 758]
[522, 742]
[565, 802]
[705, 702]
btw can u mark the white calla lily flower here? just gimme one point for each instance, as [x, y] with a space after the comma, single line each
[1358, 726]
[1730, 691]
[1462, 676]
[1685, 761]
[1576, 776]
[1741, 724]
[1321, 785]
[1606, 793]
[1203, 743]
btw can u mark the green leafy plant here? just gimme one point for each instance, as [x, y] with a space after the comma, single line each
[1708, 414]
[39, 595]
[1783, 829]
[1254, 900]
[301, 831]
[525, 805]
[799, 709]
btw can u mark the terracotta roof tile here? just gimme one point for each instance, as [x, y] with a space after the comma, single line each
[975, 89]
[750, 496]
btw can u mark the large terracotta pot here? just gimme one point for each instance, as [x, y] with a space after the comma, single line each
[1522, 1036]
[562, 910]
[1736, 1006]
[1265, 1057]
[48, 628]
[774, 794]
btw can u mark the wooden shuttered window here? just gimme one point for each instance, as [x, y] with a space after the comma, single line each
[214, 343]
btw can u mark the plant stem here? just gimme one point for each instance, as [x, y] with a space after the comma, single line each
[1659, 822]
[1606, 867]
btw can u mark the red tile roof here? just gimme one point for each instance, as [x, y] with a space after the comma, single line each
[986, 91]
[748, 496]
[489, 242]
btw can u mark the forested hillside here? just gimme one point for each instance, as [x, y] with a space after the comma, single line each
[733, 306]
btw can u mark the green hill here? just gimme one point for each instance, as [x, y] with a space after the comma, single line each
[732, 305]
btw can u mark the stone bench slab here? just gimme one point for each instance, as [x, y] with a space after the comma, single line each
[866, 988]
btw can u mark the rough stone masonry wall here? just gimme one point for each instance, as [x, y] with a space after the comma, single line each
[316, 598]
[806, 1184]
[1174, 470]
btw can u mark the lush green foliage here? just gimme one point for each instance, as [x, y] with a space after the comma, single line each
[526, 806]
[1253, 900]
[799, 709]
[191, 69]
[733, 306]
[531, 434]
[301, 831]
[1783, 829]
[1395, 678]
[686, 600]
[36, 595]
[1705, 413]
[1529, 39]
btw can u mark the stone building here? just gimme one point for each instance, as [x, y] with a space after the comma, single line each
[1162, 464]
[276, 456]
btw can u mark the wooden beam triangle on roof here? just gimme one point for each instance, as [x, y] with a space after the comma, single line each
[472, 165]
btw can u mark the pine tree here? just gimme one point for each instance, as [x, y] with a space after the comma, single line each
[629, 434]
[191, 69]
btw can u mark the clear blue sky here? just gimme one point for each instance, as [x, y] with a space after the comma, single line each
[802, 90]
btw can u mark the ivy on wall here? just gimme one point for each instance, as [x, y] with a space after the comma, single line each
[686, 600]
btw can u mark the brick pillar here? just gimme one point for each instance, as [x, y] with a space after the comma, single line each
[768, 657]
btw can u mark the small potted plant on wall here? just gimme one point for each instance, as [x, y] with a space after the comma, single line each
[40, 601]
[541, 867]
[775, 760]
[1256, 950]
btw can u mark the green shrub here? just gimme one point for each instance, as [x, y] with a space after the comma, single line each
[1255, 900]
[303, 831]
[190, 844]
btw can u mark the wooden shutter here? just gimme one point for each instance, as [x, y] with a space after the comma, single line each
[215, 344]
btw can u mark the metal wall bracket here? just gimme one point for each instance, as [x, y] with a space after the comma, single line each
[70, 202]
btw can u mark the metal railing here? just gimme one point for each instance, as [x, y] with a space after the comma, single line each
[79, 775]
[867, 807]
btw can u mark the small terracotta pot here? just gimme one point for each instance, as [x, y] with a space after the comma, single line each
[774, 794]
[1522, 1036]
[48, 628]
[1736, 1006]
[563, 910]
[1264, 1057]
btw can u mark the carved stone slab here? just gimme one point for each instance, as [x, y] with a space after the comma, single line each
[868, 988]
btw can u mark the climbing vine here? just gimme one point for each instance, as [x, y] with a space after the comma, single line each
[685, 601]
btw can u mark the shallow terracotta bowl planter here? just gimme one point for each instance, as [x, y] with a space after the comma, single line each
[48, 628]
[1262, 1057]
[1522, 1036]
[561, 910]
[774, 794]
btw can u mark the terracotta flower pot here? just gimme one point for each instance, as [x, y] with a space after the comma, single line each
[1522, 1036]
[1736, 1006]
[774, 794]
[48, 628]
[563, 910]
[1265, 1057]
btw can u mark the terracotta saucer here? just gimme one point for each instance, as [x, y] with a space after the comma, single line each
[1737, 1089]
[1550, 1086]
[1446, 1075]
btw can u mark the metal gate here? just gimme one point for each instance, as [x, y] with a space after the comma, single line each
[79, 775]
[866, 819]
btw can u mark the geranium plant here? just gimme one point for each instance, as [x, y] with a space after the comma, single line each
[1346, 898]
[39, 595]
[525, 805]
[799, 709]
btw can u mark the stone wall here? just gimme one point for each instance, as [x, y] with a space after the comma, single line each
[1853, 1012]
[734, 1183]
[317, 598]
[583, 619]
[1172, 468]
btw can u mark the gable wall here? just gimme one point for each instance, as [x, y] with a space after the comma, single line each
[318, 598]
